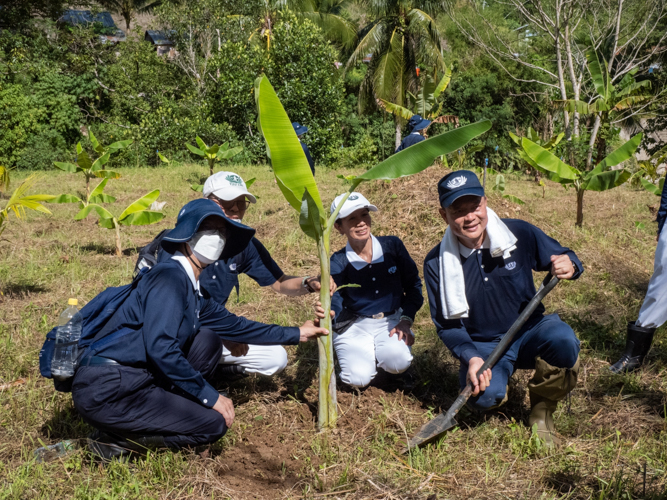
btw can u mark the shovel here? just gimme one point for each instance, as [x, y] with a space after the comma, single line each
[435, 428]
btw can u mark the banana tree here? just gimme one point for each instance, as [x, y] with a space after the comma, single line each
[136, 214]
[19, 201]
[93, 168]
[97, 195]
[295, 180]
[215, 153]
[601, 178]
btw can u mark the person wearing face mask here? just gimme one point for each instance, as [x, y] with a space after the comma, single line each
[229, 191]
[479, 279]
[372, 321]
[145, 383]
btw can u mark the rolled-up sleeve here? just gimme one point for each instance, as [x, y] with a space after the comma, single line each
[452, 332]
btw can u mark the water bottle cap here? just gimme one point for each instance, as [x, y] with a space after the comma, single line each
[73, 302]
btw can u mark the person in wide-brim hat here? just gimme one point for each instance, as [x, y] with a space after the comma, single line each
[145, 383]
[416, 125]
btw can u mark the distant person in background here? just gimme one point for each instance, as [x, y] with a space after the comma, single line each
[417, 125]
[229, 192]
[300, 131]
[653, 313]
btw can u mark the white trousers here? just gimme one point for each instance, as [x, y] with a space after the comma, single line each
[367, 345]
[262, 359]
[653, 313]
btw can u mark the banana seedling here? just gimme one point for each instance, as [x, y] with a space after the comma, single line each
[97, 195]
[19, 200]
[215, 153]
[93, 168]
[137, 214]
[500, 187]
[296, 182]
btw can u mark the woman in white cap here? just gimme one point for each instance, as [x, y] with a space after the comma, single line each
[372, 321]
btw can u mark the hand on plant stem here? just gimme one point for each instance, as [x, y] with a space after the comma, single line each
[479, 385]
[225, 407]
[562, 267]
[316, 286]
[402, 329]
[237, 349]
[311, 331]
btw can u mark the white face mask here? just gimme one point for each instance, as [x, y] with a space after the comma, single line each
[207, 246]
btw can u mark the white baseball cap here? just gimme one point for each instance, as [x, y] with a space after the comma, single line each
[226, 186]
[354, 202]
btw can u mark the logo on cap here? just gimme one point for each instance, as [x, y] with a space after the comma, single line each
[457, 182]
[234, 179]
[353, 197]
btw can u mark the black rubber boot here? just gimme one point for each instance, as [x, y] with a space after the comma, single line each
[107, 446]
[637, 345]
[230, 373]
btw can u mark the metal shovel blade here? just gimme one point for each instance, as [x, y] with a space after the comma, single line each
[431, 431]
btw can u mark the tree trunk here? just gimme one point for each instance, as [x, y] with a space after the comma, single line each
[398, 133]
[591, 143]
[327, 411]
[119, 250]
[580, 207]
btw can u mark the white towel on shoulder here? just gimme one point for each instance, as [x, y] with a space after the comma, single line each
[452, 284]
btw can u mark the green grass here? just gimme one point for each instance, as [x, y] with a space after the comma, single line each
[614, 426]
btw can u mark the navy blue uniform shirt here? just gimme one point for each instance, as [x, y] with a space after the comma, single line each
[410, 140]
[220, 278]
[662, 211]
[385, 286]
[306, 151]
[497, 290]
[159, 320]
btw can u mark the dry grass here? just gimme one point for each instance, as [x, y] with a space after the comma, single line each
[614, 426]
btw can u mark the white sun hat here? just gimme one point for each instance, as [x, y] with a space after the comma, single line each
[352, 204]
[227, 186]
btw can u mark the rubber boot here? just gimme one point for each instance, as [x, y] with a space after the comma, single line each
[548, 386]
[107, 446]
[637, 345]
[230, 373]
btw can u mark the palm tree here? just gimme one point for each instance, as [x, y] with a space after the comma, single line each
[402, 36]
[129, 8]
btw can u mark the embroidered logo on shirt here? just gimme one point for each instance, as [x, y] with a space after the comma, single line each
[232, 266]
[234, 179]
[510, 265]
[353, 197]
[392, 270]
[457, 182]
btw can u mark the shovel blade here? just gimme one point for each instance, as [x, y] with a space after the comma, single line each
[431, 431]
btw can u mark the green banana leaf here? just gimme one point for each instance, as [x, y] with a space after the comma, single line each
[652, 188]
[309, 218]
[141, 204]
[83, 161]
[202, 145]
[195, 150]
[548, 161]
[163, 158]
[397, 110]
[283, 148]
[101, 211]
[421, 155]
[197, 187]
[142, 218]
[119, 145]
[250, 182]
[514, 199]
[33, 202]
[66, 198]
[227, 154]
[107, 174]
[599, 76]
[444, 82]
[100, 162]
[606, 180]
[67, 167]
[93, 140]
[623, 153]
[213, 150]
[109, 223]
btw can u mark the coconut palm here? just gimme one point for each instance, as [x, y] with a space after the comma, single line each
[402, 36]
[128, 9]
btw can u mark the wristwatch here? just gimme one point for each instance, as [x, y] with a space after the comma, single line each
[306, 285]
[407, 318]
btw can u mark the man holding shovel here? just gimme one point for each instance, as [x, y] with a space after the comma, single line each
[479, 280]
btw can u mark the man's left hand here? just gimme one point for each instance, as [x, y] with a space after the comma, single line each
[315, 284]
[236, 348]
[562, 267]
[404, 333]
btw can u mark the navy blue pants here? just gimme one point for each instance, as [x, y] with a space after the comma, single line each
[131, 401]
[549, 338]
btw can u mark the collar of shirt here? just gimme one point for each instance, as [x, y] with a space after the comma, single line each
[183, 260]
[467, 252]
[359, 263]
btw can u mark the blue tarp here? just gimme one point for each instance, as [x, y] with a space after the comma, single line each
[77, 17]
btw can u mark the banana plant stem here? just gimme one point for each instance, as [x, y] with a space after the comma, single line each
[328, 403]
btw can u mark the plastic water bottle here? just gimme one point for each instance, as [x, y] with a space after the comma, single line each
[67, 342]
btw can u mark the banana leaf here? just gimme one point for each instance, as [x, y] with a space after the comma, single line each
[197, 187]
[514, 199]
[283, 148]
[548, 161]
[623, 153]
[309, 218]
[67, 167]
[119, 145]
[202, 145]
[652, 188]
[109, 223]
[421, 155]
[65, 198]
[195, 150]
[606, 180]
[83, 161]
[226, 154]
[395, 109]
[213, 150]
[101, 211]
[93, 140]
[107, 174]
[250, 182]
[141, 204]
[142, 218]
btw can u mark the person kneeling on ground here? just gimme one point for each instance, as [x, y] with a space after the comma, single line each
[372, 321]
[229, 192]
[479, 279]
[653, 313]
[144, 385]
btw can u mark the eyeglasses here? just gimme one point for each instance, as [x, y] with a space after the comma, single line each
[241, 204]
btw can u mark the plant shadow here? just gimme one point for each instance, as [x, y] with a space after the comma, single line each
[20, 290]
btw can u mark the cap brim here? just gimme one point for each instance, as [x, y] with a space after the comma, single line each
[446, 201]
[344, 213]
[229, 194]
